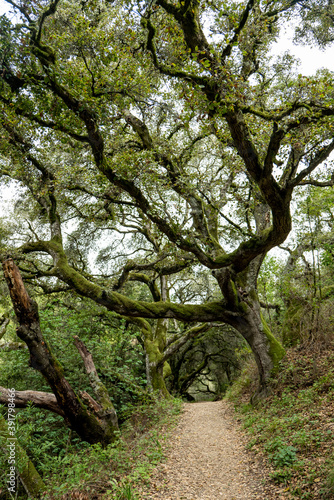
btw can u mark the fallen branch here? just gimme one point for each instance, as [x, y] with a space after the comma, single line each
[91, 427]
[45, 400]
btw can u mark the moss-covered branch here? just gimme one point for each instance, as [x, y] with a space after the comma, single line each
[177, 344]
[31, 480]
[228, 49]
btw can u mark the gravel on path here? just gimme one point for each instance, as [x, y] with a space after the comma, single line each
[207, 460]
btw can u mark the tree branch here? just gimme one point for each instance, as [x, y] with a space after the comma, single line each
[277, 307]
[175, 346]
[320, 157]
[45, 400]
[228, 49]
[4, 323]
[100, 391]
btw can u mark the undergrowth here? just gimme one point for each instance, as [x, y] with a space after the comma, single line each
[294, 428]
[74, 469]
[116, 471]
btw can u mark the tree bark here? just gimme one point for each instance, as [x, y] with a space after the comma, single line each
[156, 368]
[91, 425]
[240, 293]
[106, 410]
[266, 349]
[31, 480]
[4, 323]
[45, 400]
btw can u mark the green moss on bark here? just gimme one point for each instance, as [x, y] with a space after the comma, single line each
[276, 350]
[167, 371]
[29, 476]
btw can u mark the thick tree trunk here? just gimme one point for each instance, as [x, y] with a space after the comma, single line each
[154, 344]
[240, 293]
[154, 340]
[266, 348]
[24, 468]
[89, 422]
[155, 370]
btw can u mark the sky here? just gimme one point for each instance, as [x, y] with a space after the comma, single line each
[311, 58]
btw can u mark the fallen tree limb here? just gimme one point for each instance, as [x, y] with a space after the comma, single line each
[45, 400]
[100, 391]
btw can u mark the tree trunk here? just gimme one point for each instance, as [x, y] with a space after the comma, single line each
[266, 348]
[154, 339]
[240, 293]
[24, 468]
[155, 370]
[91, 423]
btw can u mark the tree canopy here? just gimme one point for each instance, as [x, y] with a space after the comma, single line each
[165, 137]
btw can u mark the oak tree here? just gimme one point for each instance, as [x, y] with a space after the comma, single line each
[173, 117]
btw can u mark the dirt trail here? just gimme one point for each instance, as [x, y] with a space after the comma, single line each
[207, 460]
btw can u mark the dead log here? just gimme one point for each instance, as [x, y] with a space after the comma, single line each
[45, 400]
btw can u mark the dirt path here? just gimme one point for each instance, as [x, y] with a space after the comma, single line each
[207, 460]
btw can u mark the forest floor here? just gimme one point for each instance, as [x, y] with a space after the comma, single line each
[207, 459]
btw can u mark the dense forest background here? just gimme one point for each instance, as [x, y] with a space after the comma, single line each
[170, 235]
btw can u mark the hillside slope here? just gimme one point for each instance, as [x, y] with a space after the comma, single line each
[293, 430]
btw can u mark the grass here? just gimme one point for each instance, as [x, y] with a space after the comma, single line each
[294, 428]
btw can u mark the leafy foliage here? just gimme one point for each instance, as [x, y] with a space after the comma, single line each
[293, 428]
[157, 159]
